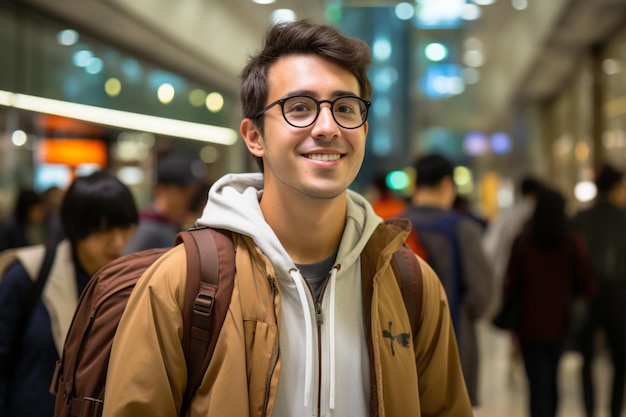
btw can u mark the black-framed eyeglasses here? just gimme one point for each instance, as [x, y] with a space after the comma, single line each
[349, 112]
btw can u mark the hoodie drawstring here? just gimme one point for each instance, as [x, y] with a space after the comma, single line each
[331, 331]
[308, 375]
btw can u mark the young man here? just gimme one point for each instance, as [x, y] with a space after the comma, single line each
[164, 217]
[452, 243]
[301, 337]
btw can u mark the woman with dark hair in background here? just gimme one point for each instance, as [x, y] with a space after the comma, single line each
[549, 266]
[99, 215]
[25, 226]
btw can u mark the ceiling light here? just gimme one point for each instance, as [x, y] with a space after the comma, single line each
[473, 58]
[381, 49]
[121, 119]
[113, 87]
[82, 58]
[471, 12]
[166, 93]
[404, 11]
[19, 138]
[67, 37]
[519, 4]
[214, 102]
[263, 1]
[283, 15]
[435, 51]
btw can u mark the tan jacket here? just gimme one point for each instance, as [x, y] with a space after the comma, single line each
[147, 370]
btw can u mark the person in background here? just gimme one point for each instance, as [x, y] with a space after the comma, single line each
[196, 204]
[98, 215]
[52, 198]
[501, 231]
[452, 242]
[603, 227]
[177, 178]
[25, 226]
[548, 268]
[317, 325]
[498, 239]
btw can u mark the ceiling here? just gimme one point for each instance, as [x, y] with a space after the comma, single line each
[529, 54]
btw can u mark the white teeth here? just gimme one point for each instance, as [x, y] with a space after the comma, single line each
[324, 156]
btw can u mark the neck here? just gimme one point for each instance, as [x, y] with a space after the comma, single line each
[309, 229]
[430, 197]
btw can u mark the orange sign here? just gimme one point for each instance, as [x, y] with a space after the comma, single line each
[73, 152]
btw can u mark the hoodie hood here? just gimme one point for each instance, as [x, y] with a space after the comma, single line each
[309, 333]
[233, 204]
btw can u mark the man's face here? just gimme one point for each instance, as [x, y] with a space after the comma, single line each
[618, 195]
[321, 160]
[178, 198]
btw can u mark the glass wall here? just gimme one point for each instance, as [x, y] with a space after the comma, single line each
[48, 67]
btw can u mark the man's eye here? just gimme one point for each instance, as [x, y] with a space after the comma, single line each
[344, 108]
[299, 106]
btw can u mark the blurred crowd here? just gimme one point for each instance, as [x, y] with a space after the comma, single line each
[52, 243]
[560, 279]
[555, 282]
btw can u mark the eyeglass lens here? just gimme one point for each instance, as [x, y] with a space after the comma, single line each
[349, 112]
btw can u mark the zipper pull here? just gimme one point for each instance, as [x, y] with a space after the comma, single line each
[318, 313]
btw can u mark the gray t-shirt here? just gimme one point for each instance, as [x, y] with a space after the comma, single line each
[317, 273]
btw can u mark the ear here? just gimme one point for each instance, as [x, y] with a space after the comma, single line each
[449, 191]
[252, 137]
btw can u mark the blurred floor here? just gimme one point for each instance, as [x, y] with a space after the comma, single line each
[503, 382]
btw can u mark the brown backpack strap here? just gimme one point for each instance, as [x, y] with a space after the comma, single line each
[210, 280]
[408, 272]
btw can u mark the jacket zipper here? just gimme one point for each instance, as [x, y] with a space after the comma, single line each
[274, 357]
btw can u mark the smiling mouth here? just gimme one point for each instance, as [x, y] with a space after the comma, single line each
[324, 156]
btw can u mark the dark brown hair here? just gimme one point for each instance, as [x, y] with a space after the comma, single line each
[301, 37]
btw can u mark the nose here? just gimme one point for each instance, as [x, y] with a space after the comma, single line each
[325, 125]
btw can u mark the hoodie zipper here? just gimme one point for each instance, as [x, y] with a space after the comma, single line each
[320, 321]
[319, 315]
[274, 357]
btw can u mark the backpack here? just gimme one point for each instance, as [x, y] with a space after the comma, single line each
[445, 226]
[80, 375]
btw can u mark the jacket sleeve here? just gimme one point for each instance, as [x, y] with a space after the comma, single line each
[442, 388]
[147, 373]
[478, 273]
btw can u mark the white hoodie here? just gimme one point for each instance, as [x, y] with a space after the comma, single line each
[340, 383]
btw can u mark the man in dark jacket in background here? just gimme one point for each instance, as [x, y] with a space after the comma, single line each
[454, 250]
[177, 179]
[603, 227]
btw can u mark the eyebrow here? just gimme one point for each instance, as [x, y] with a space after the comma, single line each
[337, 93]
